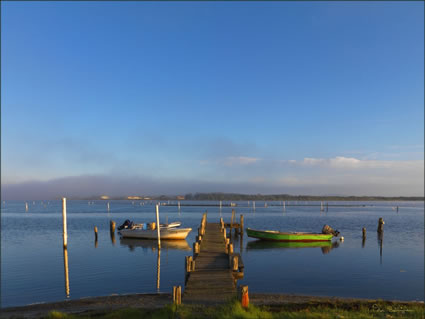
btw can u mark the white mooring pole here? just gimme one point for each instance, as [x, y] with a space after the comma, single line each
[65, 235]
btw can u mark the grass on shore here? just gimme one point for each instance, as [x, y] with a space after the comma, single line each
[234, 310]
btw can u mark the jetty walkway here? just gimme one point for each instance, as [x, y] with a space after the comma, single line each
[212, 272]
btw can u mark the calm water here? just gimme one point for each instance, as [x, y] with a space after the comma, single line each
[32, 258]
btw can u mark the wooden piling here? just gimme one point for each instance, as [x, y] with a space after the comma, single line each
[364, 232]
[65, 233]
[177, 295]
[380, 225]
[95, 233]
[235, 263]
[241, 225]
[243, 296]
[112, 226]
[230, 249]
[231, 220]
[195, 248]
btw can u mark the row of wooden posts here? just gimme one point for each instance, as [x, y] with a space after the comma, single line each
[380, 229]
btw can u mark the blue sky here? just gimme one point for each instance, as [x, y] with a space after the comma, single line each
[171, 97]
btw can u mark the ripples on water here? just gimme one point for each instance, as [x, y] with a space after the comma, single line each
[32, 258]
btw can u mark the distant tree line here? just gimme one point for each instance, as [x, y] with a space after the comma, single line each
[281, 197]
[259, 197]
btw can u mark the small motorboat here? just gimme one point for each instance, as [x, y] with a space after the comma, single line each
[148, 231]
[165, 233]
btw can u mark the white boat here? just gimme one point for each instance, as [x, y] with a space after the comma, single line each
[165, 233]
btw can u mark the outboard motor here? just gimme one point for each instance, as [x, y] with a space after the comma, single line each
[126, 224]
[328, 230]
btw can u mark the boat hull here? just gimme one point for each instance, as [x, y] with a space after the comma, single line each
[288, 237]
[168, 233]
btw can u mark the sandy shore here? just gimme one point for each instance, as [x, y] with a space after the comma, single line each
[151, 301]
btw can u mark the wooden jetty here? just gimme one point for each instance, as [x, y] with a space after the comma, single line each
[212, 272]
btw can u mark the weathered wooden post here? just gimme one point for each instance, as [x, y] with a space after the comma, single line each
[364, 232]
[195, 249]
[95, 233]
[243, 296]
[230, 249]
[381, 225]
[177, 296]
[231, 220]
[158, 227]
[65, 234]
[241, 225]
[174, 294]
[188, 267]
[112, 226]
[235, 263]
[192, 265]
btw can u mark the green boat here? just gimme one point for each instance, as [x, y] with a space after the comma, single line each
[273, 235]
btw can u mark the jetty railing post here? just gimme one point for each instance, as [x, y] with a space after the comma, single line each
[157, 226]
[65, 234]
[235, 263]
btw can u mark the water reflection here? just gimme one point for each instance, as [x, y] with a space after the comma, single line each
[326, 246]
[380, 243]
[132, 243]
[66, 272]
[113, 240]
[158, 272]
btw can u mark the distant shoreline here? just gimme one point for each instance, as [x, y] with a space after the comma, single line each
[251, 197]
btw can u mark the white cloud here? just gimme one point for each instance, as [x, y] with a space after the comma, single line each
[240, 160]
